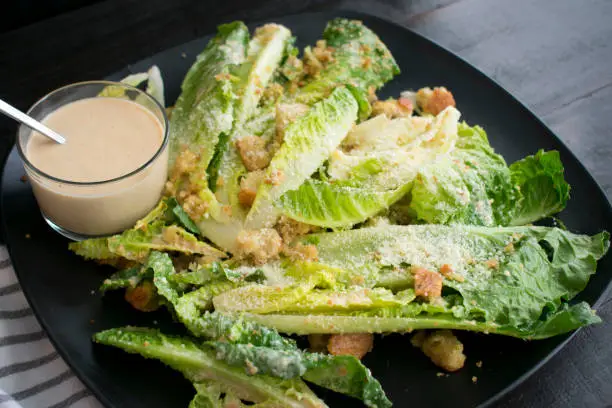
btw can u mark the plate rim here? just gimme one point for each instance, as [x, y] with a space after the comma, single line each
[340, 12]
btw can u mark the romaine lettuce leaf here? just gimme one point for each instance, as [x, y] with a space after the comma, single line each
[123, 279]
[205, 107]
[359, 59]
[155, 85]
[393, 151]
[474, 186]
[543, 189]
[260, 350]
[199, 363]
[265, 52]
[308, 142]
[334, 205]
[203, 113]
[517, 279]
[565, 319]
[344, 374]
[263, 299]
[136, 244]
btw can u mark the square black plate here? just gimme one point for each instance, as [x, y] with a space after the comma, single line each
[62, 287]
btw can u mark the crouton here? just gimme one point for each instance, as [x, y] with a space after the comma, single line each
[289, 228]
[442, 347]
[253, 152]
[435, 100]
[248, 187]
[143, 297]
[259, 246]
[354, 344]
[392, 108]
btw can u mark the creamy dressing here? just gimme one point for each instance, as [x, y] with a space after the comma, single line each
[106, 138]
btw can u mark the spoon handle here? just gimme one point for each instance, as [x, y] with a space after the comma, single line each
[19, 116]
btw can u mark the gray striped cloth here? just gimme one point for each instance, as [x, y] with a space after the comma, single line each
[32, 374]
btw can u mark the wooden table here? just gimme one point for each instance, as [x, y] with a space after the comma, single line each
[555, 56]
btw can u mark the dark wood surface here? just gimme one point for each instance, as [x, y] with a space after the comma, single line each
[555, 56]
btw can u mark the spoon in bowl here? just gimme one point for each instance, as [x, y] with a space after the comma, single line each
[30, 122]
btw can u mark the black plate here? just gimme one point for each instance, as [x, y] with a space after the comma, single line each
[61, 287]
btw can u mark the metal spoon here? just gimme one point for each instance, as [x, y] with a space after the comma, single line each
[30, 122]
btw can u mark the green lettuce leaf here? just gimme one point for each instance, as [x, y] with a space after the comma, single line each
[263, 299]
[344, 374]
[136, 244]
[204, 108]
[544, 190]
[331, 205]
[359, 59]
[474, 186]
[218, 271]
[199, 363]
[123, 279]
[566, 319]
[384, 154]
[308, 143]
[513, 280]
[265, 53]
[155, 85]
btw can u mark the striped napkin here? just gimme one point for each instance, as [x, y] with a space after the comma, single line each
[32, 374]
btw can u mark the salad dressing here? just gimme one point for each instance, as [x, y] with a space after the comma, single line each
[107, 139]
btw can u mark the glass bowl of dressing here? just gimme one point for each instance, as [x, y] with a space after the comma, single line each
[112, 169]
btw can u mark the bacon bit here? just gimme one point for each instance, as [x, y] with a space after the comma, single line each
[146, 343]
[492, 263]
[427, 284]
[446, 270]
[23, 178]
[367, 63]
[342, 371]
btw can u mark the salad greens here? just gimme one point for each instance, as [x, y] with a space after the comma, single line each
[299, 203]
[474, 186]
